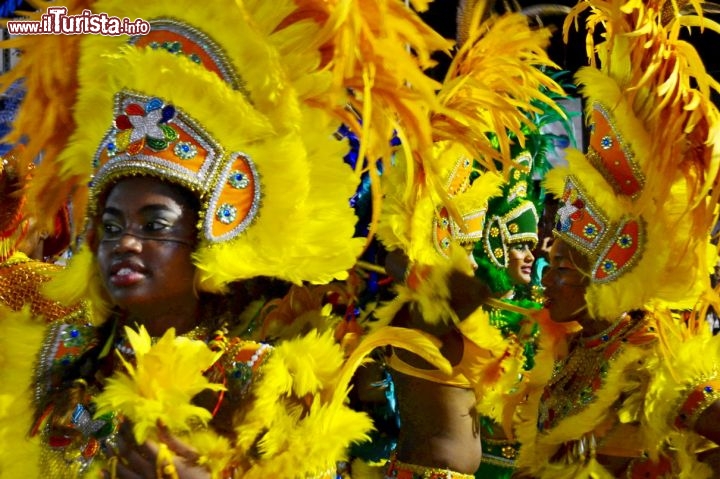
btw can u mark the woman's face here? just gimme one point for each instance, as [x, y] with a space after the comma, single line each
[565, 283]
[520, 262]
[146, 236]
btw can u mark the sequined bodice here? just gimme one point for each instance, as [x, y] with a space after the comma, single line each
[577, 379]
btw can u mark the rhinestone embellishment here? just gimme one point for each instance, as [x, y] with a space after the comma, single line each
[185, 150]
[226, 213]
[606, 142]
[238, 180]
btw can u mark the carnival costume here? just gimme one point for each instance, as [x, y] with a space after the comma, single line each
[21, 279]
[236, 102]
[20, 276]
[511, 220]
[622, 403]
[436, 215]
[21, 299]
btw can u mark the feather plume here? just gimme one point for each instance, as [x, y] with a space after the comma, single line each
[657, 91]
[79, 281]
[21, 336]
[302, 393]
[46, 121]
[159, 387]
[491, 85]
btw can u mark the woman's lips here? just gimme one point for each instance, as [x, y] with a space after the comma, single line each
[126, 276]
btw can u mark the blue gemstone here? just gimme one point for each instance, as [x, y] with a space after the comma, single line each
[77, 413]
[74, 333]
[226, 214]
[605, 337]
[153, 104]
[168, 113]
[238, 180]
[708, 389]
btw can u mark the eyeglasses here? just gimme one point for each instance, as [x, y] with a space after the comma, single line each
[112, 231]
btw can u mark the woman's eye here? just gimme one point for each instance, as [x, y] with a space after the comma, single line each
[156, 225]
[111, 228]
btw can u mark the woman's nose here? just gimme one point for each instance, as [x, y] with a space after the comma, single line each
[128, 242]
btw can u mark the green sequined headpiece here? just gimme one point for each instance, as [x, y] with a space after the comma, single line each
[511, 219]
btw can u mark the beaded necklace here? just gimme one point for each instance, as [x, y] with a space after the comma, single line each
[577, 378]
[200, 332]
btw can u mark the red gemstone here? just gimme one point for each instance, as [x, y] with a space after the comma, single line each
[135, 109]
[59, 441]
[92, 448]
[122, 122]
[135, 147]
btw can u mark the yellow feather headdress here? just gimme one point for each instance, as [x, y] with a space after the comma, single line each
[638, 202]
[491, 84]
[238, 102]
[436, 210]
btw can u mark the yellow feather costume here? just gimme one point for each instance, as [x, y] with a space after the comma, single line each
[431, 211]
[639, 204]
[239, 101]
[21, 337]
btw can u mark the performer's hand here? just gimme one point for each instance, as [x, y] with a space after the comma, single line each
[140, 461]
[467, 293]
[546, 244]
